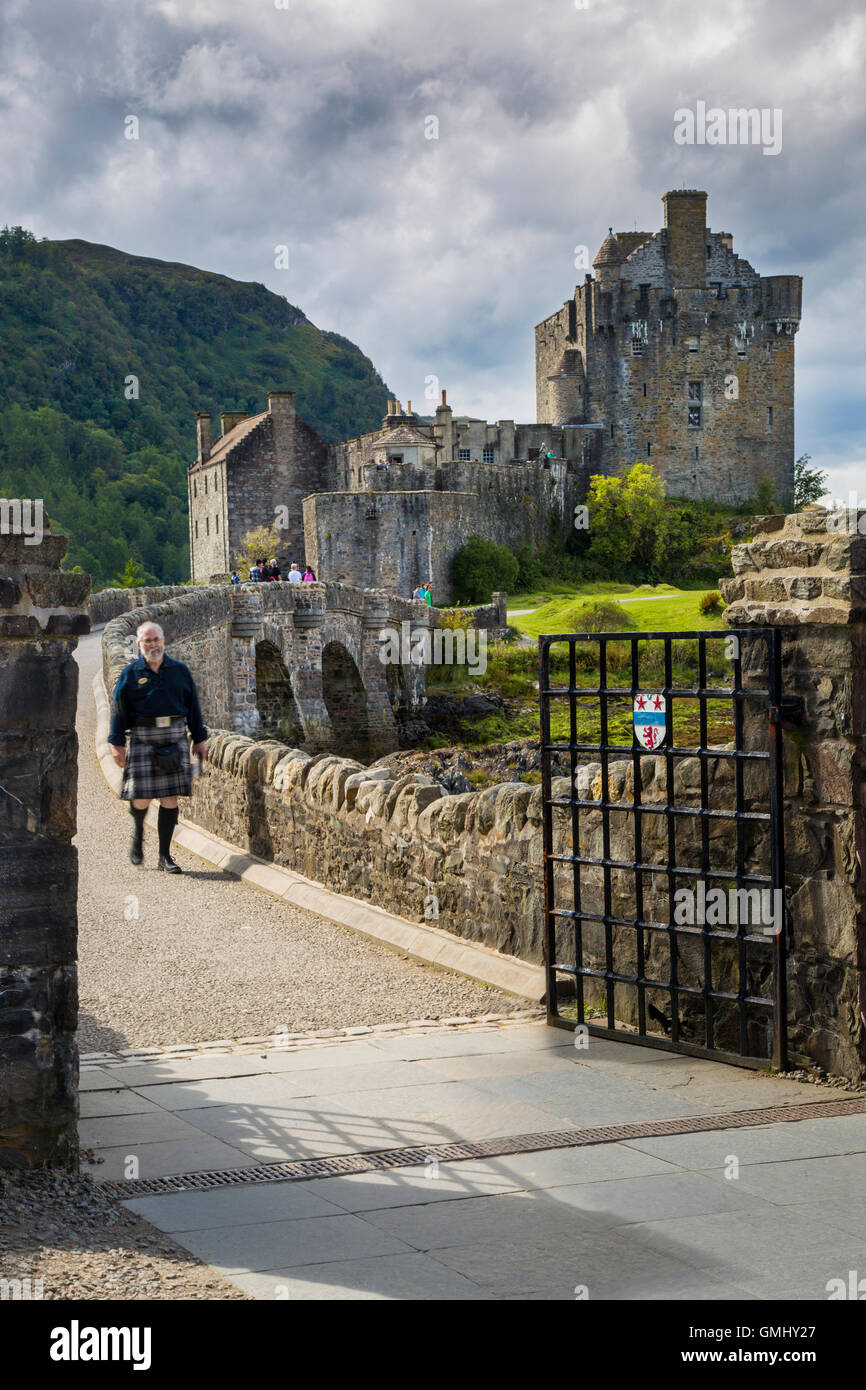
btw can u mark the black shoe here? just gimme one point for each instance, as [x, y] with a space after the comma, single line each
[166, 862]
[135, 853]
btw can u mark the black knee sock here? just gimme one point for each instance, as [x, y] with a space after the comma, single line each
[166, 821]
[138, 816]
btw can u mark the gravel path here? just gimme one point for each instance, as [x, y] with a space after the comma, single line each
[195, 958]
[72, 1241]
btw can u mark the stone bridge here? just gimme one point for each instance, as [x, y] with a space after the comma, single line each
[300, 663]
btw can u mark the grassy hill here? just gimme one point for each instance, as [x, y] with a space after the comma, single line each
[78, 321]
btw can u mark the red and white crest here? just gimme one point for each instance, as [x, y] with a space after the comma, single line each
[650, 719]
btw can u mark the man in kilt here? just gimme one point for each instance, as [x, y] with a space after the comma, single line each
[155, 699]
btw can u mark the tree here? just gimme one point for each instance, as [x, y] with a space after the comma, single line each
[809, 483]
[480, 567]
[259, 544]
[133, 576]
[628, 522]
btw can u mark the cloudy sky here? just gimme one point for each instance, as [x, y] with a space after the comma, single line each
[307, 123]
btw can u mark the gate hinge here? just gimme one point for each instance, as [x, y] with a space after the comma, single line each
[790, 711]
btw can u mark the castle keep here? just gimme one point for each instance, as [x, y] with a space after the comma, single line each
[680, 354]
[677, 353]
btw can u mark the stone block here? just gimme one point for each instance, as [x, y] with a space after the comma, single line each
[56, 589]
[288, 768]
[19, 625]
[10, 593]
[823, 917]
[452, 818]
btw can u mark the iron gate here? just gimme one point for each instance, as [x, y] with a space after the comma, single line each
[659, 846]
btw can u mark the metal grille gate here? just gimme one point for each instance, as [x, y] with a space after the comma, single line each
[655, 859]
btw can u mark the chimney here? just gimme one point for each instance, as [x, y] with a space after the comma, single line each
[230, 418]
[686, 223]
[409, 408]
[444, 397]
[202, 433]
[281, 408]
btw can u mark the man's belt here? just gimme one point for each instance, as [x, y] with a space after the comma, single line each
[158, 721]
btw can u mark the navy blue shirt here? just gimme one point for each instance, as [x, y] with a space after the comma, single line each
[144, 693]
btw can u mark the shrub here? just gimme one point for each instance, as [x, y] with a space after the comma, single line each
[711, 603]
[480, 568]
[602, 616]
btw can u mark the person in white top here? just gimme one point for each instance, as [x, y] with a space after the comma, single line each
[294, 575]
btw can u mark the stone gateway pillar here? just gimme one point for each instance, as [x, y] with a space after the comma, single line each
[40, 620]
[806, 574]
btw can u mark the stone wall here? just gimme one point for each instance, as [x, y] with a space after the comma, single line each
[395, 540]
[40, 619]
[470, 863]
[110, 603]
[806, 574]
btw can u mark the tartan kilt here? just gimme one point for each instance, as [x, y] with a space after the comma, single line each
[140, 780]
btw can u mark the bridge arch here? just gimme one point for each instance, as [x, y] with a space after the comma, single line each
[345, 698]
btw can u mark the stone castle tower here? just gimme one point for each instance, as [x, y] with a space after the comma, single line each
[258, 464]
[680, 354]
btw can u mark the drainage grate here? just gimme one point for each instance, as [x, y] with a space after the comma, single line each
[295, 1169]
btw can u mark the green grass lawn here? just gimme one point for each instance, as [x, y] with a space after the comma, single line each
[653, 609]
[513, 670]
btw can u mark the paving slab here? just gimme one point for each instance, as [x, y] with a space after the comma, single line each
[395, 1277]
[284, 1244]
[803, 1181]
[509, 1216]
[194, 1068]
[530, 1037]
[200, 1155]
[766, 1251]
[97, 1079]
[658, 1197]
[235, 1206]
[817, 1138]
[586, 1264]
[136, 1131]
[93, 1104]
[262, 1089]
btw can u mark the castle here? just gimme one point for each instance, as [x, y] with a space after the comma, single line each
[677, 352]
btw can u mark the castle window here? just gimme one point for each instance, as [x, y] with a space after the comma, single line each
[611, 431]
[769, 419]
[487, 453]
[217, 520]
[694, 417]
[644, 291]
[721, 292]
[207, 525]
[196, 530]
[693, 344]
[205, 484]
[464, 455]
[649, 448]
[644, 388]
[194, 488]
[697, 453]
[696, 390]
[636, 347]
